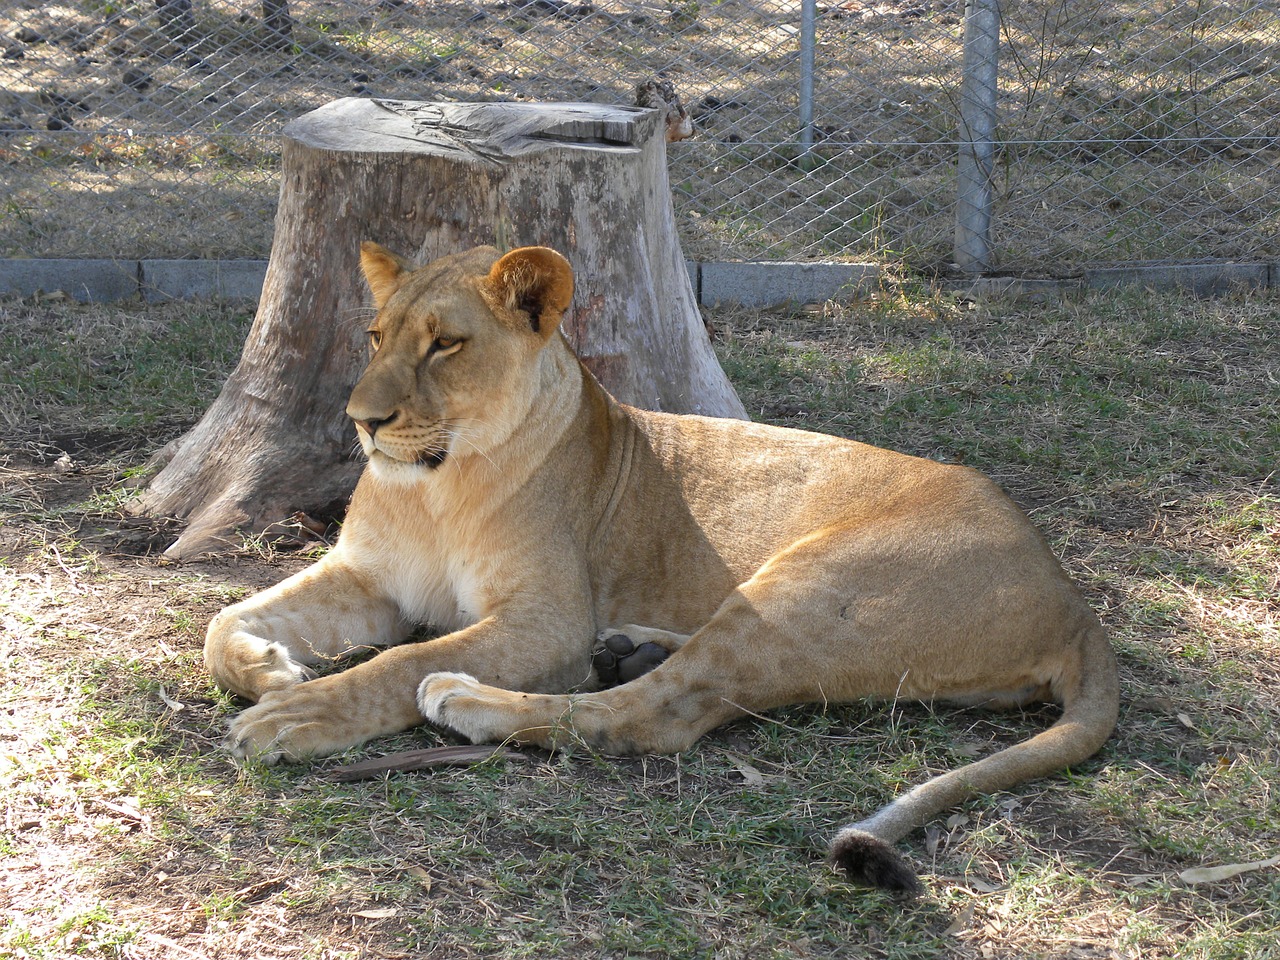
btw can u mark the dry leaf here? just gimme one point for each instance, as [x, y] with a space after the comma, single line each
[751, 777]
[973, 883]
[376, 913]
[1224, 872]
[957, 820]
[1008, 807]
[1140, 878]
[982, 886]
[422, 876]
[1186, 721]
[171, 703]
[960, 923]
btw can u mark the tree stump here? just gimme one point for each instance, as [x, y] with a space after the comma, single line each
[433, 178]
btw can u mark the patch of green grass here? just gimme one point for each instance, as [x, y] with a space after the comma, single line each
[86, 368]
[1072, 391]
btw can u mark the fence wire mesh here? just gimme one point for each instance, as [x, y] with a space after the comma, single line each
[1127, 132]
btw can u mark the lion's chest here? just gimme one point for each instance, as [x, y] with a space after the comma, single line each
[432, 588]
[425, 570]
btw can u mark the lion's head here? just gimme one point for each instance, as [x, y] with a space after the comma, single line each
[455, 351]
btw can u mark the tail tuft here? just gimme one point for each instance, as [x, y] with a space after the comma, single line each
[870, 861]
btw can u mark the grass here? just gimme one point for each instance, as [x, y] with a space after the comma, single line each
[119, 370]
[1140, 431]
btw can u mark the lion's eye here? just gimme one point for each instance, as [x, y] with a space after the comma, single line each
[375, 338]
[445, 344]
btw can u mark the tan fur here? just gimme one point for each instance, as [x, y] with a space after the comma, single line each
[512, 504]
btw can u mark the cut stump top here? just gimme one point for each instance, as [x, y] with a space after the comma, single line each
[487, 132]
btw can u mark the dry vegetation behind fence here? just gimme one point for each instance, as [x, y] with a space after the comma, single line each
[1129, 132]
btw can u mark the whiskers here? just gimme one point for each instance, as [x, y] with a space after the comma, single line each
[356, 319]
[465, 435]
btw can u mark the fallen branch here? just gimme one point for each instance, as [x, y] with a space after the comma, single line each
[462, 756]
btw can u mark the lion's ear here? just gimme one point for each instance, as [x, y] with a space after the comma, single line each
[536, 281]
[383, 270]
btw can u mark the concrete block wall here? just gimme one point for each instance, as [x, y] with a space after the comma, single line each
[753, 285]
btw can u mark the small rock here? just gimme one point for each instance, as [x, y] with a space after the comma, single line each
[27, 35]
[78, 41]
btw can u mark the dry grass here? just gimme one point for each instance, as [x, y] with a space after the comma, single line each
[1139, 430]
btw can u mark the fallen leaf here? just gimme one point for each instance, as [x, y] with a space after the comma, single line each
[172, 704]
[932, 837]
[982, 886]
[376, 913]
[1224, 872]
[1186, 721]
[1007, 808]
[1140, 878]
[751, 777]
[422, 876]
[260, 890]
[960, 923]
[956, 820]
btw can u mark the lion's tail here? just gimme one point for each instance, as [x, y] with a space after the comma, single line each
[1090, 704]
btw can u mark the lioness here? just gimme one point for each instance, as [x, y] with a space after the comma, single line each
[560, 538]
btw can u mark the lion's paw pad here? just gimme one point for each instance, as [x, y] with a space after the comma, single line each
[618, 659]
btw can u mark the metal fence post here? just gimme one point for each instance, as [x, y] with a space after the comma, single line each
[808, 39]
[977, 135]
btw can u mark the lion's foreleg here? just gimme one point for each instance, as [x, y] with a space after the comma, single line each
[269, 641]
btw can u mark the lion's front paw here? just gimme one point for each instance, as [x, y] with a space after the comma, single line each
[300, 721]
[464, 704]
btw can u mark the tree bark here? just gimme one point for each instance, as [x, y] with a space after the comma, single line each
[433, 178]
[278, 22]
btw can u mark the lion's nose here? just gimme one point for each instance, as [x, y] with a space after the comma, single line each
[371, 426]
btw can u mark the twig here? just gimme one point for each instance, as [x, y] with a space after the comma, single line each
[462, 756]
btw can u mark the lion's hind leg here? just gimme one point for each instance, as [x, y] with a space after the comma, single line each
[626, 653]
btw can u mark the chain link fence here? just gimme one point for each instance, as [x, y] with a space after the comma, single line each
[1125, 132]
